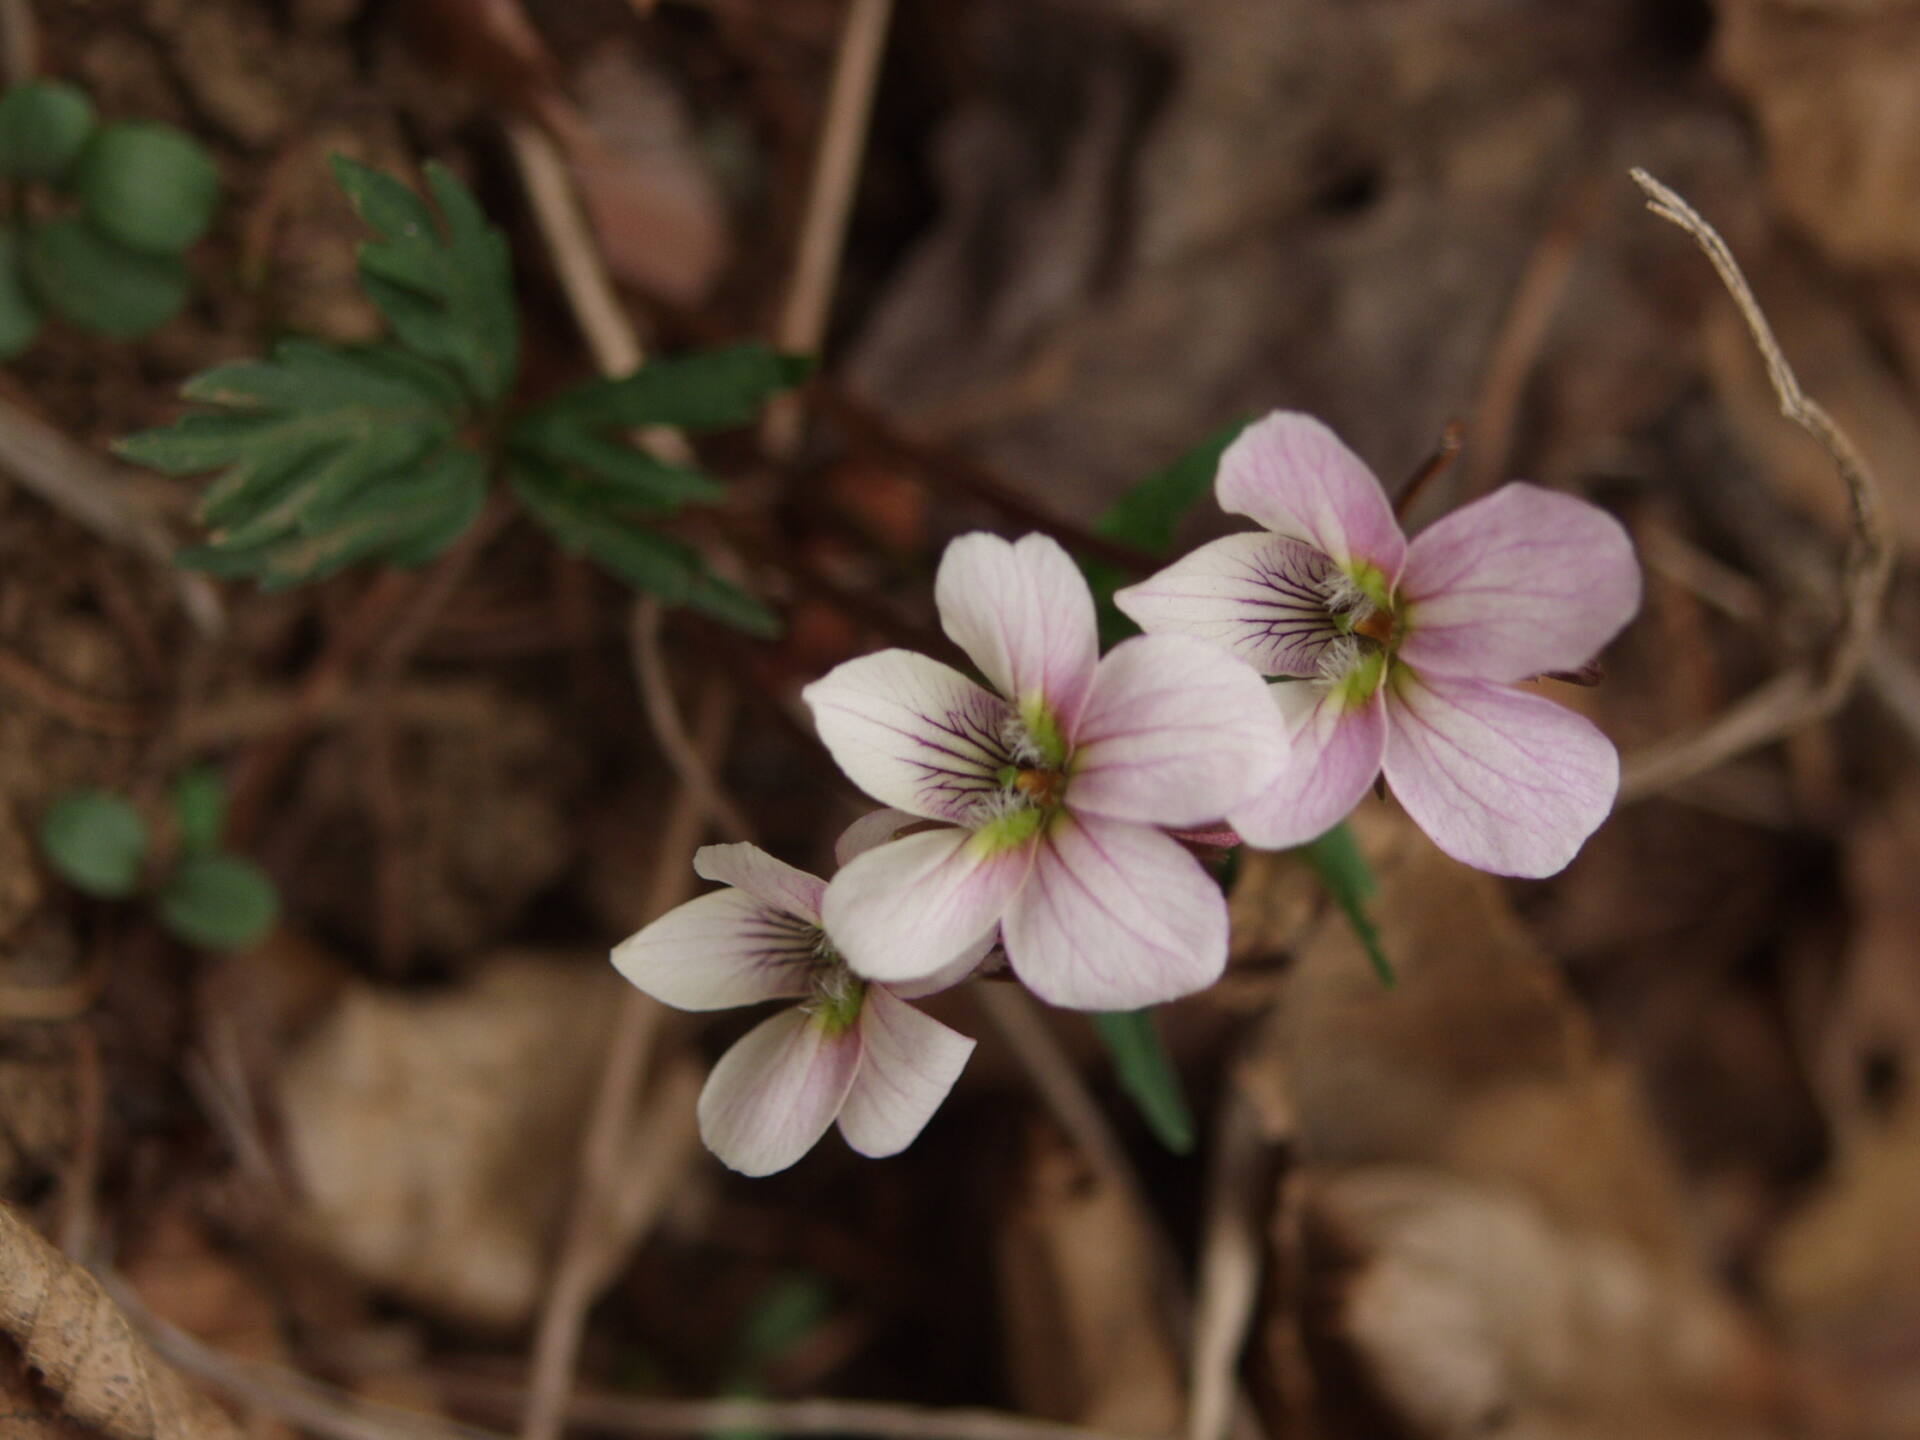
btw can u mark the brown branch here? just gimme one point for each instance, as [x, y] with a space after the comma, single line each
[63, 702]
[950, 467]
[670, 730]
[1815, 690]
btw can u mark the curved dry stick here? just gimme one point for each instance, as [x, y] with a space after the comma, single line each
[1801, 696]
[86, 1350]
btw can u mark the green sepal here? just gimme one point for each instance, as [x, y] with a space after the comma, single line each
[101, 285]
[445, 284]
[96, 841]
[43, 126]
[219, 902]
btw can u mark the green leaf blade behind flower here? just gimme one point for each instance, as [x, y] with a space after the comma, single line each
[20, 314]
[1343, 870]
[96, 842]
[708, 390]
[446, 289]
[1146, 1073]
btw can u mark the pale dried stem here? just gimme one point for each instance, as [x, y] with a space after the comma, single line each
[823, 230]
[97, 494]
[669, 730]
[1811, 692]
[1522, 335]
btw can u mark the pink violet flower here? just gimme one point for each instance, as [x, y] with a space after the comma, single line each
[1050, 792]
[1405, 654]
[850, 1051]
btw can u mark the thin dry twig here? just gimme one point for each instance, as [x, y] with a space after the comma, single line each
[1813, 691]
[59, 699]
[823, 231]
[98, 495]
[1523, 333]
[595, 1236]
[669, 729]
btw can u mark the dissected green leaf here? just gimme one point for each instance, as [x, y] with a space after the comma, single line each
[218, 901]
[96, 841]
[148, 186]
[43, 125]
[1336, 859]
[572, 511]
[199, 809]
[403, 518]
[607, 467]
[446, 289]
[100, 285]
[327, 455]
[19, 312]
[1146, 1073]
[707, 390]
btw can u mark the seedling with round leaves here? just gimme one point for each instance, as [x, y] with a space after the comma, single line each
[102, 213]
[198, 892]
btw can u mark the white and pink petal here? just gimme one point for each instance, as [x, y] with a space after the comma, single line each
[1115, 916]
[908, 1065]
[1175, 731]
[1519, 583]
[913, 733]
[914, 907]
[773, 1095]
[1500, 779]
[1337, 747]
[771, 881]
[876, 827]
[1022, 611]
[1259, 595]
[719, 951]
[1295, 476]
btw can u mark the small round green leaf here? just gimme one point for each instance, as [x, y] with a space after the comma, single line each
[101, 286]
[149, 186]
[96, 841]
[199, 809]
[220, 902]
[19, 311]
[43, 125]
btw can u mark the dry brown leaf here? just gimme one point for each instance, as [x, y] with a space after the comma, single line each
[1082, 1337]
[1475, 1312]
[1832, 88]
[85, 1352]
[432, 1134]
[1478, 1060]
[1843, 1273]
